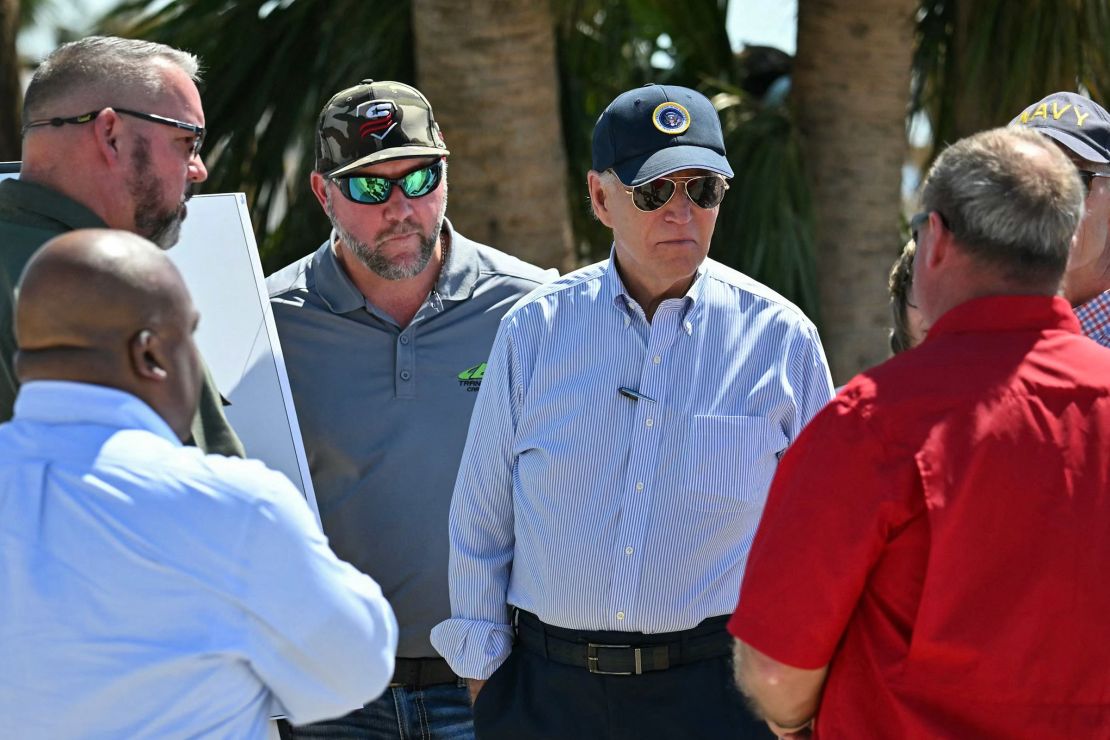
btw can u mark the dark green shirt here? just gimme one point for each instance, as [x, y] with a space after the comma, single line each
[31, 215]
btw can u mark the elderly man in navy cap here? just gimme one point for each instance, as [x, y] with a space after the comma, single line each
[1081, 128]
[630, 420]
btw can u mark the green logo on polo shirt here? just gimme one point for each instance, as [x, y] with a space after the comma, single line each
[471, 378]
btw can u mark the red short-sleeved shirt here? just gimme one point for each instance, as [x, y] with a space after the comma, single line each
[940, 535]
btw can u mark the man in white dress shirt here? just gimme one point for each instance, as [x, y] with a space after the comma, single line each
[146, 589]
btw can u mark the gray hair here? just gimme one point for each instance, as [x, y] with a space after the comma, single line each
[97, 68]
[1013, 212]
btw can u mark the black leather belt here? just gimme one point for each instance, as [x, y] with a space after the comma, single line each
[638, 654]
[418, 673]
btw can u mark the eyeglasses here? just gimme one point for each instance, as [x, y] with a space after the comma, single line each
[1088, 178]
[704, 191]
[192, 128]
[372, 190]
[921, 219]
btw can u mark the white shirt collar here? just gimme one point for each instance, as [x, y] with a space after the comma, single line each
[65, 402]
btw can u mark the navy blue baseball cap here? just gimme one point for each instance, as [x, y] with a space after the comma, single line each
[1080, 124]
[655, 130]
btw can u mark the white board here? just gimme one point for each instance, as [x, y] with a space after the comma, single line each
[218, 258]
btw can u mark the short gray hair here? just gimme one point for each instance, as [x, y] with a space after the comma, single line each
[97, 67]
[1007, 210]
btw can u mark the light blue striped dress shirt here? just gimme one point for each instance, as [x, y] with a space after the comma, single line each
[599, 512]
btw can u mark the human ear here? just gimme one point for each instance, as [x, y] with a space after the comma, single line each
[319, 189]
[598, 198]
[147, 356]
[107, 131]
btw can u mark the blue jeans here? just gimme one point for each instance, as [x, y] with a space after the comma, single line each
[434, 713]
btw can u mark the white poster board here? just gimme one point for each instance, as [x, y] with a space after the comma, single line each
[218, 258]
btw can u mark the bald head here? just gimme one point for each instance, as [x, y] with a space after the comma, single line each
[109, 308]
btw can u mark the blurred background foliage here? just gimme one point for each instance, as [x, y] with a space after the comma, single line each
[271, 64]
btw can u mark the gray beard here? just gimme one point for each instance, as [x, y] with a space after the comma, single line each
[377, 262]
[161, 226]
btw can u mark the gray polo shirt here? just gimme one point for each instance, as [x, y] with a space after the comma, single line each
[384, 412]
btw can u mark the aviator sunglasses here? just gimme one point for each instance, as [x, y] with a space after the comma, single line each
[373, 190]
[704, 191]
[1088, 178]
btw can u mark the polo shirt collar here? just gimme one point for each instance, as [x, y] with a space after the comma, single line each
[1007, 313]
[66, 402]
[460, 274]
[48, 204]
[456, 282]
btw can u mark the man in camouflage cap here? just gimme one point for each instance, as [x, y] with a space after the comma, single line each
[386, 329]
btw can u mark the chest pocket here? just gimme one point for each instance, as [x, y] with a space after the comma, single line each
[730, 461]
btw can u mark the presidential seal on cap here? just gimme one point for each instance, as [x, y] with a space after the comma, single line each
[375, 122]
[1079, 124]
[671, 118]
[656, 130]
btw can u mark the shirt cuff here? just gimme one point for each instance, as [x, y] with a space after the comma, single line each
[473, 648]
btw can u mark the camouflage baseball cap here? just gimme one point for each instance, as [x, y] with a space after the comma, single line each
[375, 122]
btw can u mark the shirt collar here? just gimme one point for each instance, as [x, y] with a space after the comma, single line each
[65, 402]
[49, 204]
[620, 297]
[456, 281]
[1094, 314]
[1007, 313]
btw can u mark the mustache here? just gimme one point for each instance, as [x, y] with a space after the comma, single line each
[404, 228]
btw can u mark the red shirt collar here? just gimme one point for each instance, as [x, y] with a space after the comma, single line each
[1007, 313]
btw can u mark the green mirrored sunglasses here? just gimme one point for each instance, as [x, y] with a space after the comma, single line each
[374, 190]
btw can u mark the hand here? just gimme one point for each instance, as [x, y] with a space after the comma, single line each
[474, 685]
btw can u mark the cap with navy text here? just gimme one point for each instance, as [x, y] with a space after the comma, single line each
[1078, 123]
[375, 122]
[655, 130]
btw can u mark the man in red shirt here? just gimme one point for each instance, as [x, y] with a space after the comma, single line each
[932, 560]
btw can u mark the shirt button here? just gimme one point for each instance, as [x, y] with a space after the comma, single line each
[628, 551]
[648, 422]
[639, 485]
[620, 615]
[405, 375]
[404, 339]
[657, 359]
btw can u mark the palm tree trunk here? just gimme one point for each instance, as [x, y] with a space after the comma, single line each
[489, 69]
[11, 96]
[851, 84]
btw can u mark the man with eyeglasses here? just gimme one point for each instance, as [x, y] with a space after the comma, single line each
[950, 581]
[386, 329]
[632, 415]
[1081, 128]
[112, 131]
